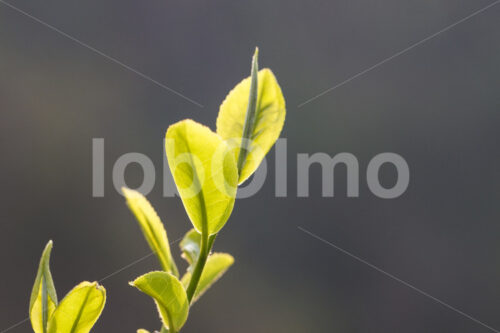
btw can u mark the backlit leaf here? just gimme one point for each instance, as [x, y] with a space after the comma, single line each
[43, 300]
[263, 126]
[169, 296]
[190, 246]
[152, 229]
[79, 310]
[217, 264]
[205, 173]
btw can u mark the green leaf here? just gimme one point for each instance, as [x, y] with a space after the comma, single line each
[190, 246]
[79, 310]
[217, 264]
[260, 126]
[169, 296]
[43, 300]
[205, 172]
[152, 229]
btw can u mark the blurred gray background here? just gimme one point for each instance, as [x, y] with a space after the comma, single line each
[436, 105]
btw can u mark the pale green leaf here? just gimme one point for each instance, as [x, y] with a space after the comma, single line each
[205, 173]
[43, 300]
[169, 296]
[217, 264]
[152, 229]
[260, 127]
[79, 310]
[190, 246]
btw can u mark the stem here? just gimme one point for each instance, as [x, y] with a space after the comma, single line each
[200, 265]
[211, 241]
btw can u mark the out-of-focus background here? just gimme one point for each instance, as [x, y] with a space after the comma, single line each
[436, 105]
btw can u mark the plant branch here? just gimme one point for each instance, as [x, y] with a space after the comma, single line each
[200, 265]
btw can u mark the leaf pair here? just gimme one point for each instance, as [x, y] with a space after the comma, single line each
[164, 287]
[207, 167]
[77, 312]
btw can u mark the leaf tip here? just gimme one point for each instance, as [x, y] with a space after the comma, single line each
[255, 62]
[127, 192]
[47, 251]
[100, 287]
[97, 287]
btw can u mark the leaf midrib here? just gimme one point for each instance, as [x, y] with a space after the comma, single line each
[203, 206]
[80, 312]
[156, 241]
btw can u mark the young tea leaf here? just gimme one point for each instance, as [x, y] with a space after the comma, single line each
[169, 296]
[205, 173]
[152, 228]
[79, 310]
[217, 264]
[259, 126]
[43, 300]
[190, 246]
[141, 330]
